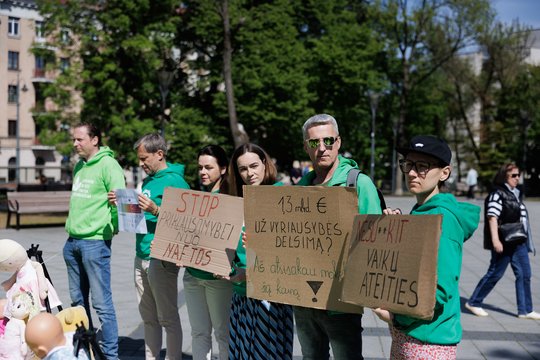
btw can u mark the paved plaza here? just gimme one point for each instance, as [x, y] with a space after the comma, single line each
[499, 336]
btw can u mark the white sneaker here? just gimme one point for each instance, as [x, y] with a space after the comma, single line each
[533, 315]
[478, 311]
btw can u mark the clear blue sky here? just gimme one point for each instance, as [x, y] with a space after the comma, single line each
[527, 11]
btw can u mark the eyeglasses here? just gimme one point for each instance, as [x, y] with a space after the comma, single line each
[514, 175]
[421, 167]
[327, 141]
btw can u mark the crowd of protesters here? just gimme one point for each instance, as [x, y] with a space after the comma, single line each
[246, 328]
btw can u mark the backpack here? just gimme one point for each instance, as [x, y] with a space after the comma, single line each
[352, 178]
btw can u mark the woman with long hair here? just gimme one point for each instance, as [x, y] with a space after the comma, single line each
[259, 329]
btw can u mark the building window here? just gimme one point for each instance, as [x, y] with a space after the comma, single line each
[40, 62]
[12, 93]
[13, 26]
[13, 60]
[40, 67]
[12, 128]
[39, 29]
[64, 36]
[64, 64]
[12, 172]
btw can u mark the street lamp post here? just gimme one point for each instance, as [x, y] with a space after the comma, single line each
[374, 101]
[165, 78]
[18, 134]
[394, 157]
[526, 122]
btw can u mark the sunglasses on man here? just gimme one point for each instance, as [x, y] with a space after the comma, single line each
[327, 141]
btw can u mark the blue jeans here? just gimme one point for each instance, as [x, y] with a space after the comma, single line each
[88, 265]
[317, 330]
[518, 258]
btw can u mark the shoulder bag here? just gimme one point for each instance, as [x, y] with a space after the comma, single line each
[512, 233]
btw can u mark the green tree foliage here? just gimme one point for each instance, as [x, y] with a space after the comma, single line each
[529, 93]
[504, 74]
[270, 71]
[190, 128]
[282, 73]
[116, 48]
[421, 36]
[496, 81]
[344, 64]
[460, 98]
[290, 60]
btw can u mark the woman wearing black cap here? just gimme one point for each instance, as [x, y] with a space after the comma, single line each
[426, 166]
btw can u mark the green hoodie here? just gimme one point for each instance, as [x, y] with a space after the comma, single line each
[90, 215]
[459, 221]
[153, 187]
[368, 199]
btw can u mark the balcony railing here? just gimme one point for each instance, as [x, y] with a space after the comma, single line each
[39, 73]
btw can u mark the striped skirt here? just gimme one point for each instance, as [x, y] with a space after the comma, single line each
[260, 330]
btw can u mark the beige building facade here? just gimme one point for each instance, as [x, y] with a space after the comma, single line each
[22, 77]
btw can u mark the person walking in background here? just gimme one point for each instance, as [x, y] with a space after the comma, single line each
[259, 329]
[426, 166]
[505, 210]
[306, 167]
[91, 224]
[208, 299]
[296, 172]
[156, 280]
[472, 182]
[318, 329]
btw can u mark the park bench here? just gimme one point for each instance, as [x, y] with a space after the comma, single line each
[36, 202]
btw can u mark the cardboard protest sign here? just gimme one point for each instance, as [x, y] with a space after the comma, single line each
[297, 241]
[198, 229]
[393, 263]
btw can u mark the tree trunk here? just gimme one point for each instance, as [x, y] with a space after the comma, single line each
[238, 133]
[467, 123]
[403, 99]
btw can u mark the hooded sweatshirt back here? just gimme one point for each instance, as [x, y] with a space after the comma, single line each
[459, 221]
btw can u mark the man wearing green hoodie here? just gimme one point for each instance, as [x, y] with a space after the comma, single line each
[156, 280]
[91, 224]
[318, 329]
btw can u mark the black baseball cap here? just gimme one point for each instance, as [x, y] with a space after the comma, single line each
[429, 145]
